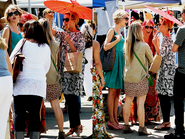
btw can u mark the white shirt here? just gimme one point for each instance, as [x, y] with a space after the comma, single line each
[32, 80]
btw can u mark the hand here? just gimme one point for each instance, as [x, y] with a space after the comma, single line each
[155, 40]
[155, 32]
[117, 37]
[67, 37]
[103, 83]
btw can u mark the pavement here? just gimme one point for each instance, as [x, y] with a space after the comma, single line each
[85, 115]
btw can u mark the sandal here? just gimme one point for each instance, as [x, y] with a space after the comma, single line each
[71, 131]
[163, 126]
[78, 130]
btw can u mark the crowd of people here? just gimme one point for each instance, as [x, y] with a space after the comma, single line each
[42, 74]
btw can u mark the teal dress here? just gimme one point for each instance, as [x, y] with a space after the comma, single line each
[15, 39]
[114, 78]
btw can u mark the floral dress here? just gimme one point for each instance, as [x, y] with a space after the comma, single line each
[71, 83]
[166, 73]
[99, 127]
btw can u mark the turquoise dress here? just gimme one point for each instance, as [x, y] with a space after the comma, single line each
[15, 39]
[114, 78]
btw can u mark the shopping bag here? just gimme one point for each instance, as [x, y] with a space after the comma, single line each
[73, 62]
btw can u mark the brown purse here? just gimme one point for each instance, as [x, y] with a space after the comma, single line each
[17, 63]
[73, 62]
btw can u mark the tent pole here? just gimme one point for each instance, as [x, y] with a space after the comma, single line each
[13, 2]
[107, 17]
[124, 29]
[29, 3]
[58, 20]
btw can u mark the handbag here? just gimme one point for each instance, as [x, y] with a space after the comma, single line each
[156, 64]
[73, 62]
[17, 63]
[107, 57]
[150, 79]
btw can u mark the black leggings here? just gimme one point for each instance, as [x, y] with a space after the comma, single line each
[165, 107]
[32, 104]
[73, 110]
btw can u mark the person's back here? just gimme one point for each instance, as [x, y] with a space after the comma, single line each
[6, 86]
[134, 72]
[35, 60]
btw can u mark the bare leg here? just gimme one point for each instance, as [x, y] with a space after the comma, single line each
[126, 109]
[110, 105]
[116, 100]
[58, 113]
[141, 110]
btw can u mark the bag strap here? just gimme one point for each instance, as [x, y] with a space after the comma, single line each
[54, 64]
[139, 60]
[9, 41]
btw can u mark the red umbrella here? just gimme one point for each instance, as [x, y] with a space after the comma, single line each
[63, 7]
[165, 15]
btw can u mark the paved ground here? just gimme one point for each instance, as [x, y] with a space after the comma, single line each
[52, 129]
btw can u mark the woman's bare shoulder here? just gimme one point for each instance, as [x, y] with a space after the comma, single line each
[96, 44]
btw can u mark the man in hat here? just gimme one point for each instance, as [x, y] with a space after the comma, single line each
[178, 90]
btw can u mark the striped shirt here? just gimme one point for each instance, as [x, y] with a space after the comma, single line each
[180, 41]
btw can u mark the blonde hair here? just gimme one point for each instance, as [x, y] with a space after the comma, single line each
[47, 10]
[91, 23]
[134, 35]
[3, 45]
[47, 31]
[11, 7]
[168, 23]
[119, 15]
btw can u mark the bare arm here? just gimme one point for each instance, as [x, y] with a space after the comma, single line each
[9, 64]
[175, 48]
[6, 35]
[155, 41]
[108, 44]
[96, 54]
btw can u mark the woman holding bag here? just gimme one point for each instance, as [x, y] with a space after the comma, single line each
[135, 77]
[113, 78]
[72, 40]
[53, 85]
[31, 82]
[166, 73]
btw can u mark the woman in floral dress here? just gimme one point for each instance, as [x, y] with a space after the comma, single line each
[166, 73]
[72, 40]
[99, 127]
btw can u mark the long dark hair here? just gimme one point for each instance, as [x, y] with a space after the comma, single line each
[34, 30]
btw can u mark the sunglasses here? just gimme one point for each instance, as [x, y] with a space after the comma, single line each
[147, 27]
[126, 18]
[14, 13]
[20, 24]
[181, 14]
[65, 19]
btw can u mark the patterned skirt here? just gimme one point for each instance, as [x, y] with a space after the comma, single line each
[98, 117]
[136, 89]
[53, 91]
